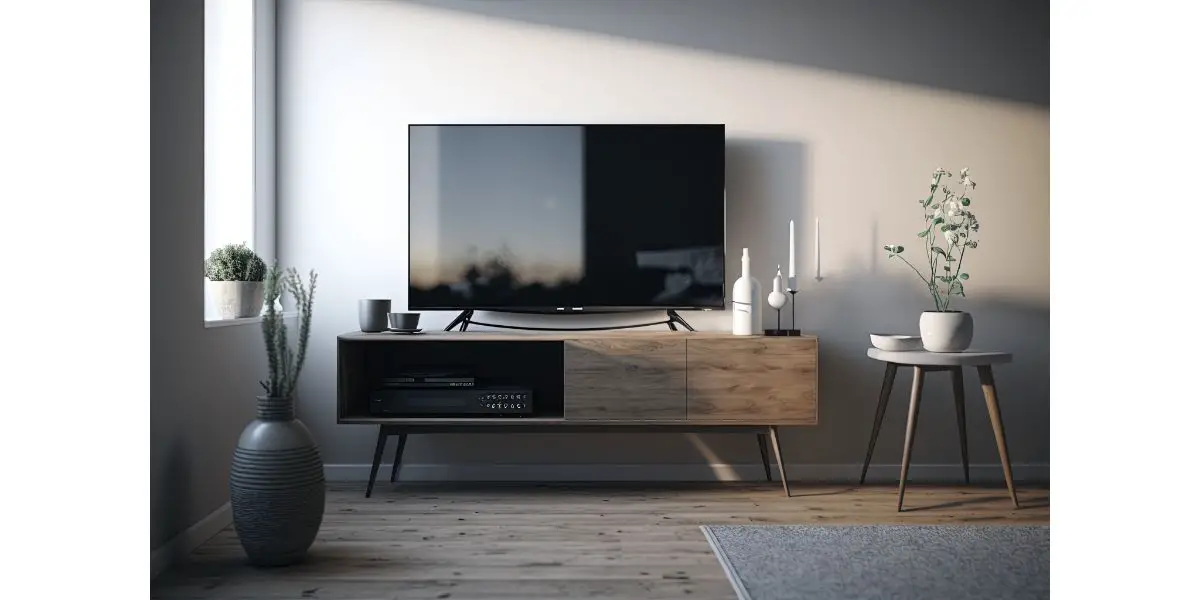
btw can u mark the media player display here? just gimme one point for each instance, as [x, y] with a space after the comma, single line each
[541, 217]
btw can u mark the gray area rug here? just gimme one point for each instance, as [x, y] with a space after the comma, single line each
[993, 562]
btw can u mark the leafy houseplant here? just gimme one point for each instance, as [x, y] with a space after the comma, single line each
[277, 480]
[948, 219]
[235, 274]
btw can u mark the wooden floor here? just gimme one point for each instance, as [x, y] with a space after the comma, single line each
[556, 541]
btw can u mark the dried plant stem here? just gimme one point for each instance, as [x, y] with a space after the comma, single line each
[284, 363]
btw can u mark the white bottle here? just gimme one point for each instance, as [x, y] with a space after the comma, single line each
[747, 301]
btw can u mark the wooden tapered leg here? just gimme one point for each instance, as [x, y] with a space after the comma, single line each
[993, 406]
[762, 450]
[961, 409]
[400, 438]
[889, 377]
[779, 459]
[379, 444]
[910, 432]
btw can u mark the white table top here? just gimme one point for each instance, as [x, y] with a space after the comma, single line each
[970, 358]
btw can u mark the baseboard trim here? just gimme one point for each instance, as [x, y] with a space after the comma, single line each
[178, 547]
[846, 473]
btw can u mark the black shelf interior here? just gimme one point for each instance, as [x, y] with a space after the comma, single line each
[537, 365]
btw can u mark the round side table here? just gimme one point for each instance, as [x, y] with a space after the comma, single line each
[921, 363]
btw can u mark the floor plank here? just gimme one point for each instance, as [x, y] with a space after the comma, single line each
[507, 541]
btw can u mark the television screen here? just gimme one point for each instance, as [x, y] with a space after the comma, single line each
[553, 217]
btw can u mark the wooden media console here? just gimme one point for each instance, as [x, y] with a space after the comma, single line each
[669, 381]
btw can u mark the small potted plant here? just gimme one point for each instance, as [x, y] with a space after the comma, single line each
[949, 231]
[235, 280]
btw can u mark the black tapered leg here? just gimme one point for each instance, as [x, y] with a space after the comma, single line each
[762, 450]
[779, 459]
[400, 439]
[673, 317]
[889, 377]
[461, 320]
[961, 410]
[379, 444]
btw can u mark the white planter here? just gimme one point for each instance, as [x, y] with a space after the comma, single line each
[946, 331]
[237, 299]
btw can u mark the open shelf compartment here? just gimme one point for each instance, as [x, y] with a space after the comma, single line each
[535, 364]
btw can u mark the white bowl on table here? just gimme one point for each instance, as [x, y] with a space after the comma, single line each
[896, 342]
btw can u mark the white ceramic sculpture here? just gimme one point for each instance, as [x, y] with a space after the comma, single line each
[777, 299]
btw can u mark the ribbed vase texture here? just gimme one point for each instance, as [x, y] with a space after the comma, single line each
[276, 486]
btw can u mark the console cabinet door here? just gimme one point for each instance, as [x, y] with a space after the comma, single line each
[754, 380]
[624, 379]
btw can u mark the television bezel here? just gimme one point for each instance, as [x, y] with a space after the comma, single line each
[574, 310]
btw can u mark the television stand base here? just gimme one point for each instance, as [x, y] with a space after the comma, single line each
[464, 319]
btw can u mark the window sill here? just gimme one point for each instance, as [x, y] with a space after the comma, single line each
[211, 323]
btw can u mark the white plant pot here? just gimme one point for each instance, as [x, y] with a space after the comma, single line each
[237, 299]
[946, 331]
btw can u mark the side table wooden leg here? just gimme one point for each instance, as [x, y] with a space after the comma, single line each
[779, 459]
[993, 406]
[960, 408]
[400, 439]
[910, 432]
[889, 377]
[379, 445]
[762, 451]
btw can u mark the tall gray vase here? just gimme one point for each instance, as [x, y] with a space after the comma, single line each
[276, 485]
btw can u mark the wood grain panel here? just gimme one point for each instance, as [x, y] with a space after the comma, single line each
[752, 379]
[624, 378]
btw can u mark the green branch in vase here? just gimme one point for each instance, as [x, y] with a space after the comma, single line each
[949, 215]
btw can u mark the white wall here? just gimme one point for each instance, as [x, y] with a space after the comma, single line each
[856, 152]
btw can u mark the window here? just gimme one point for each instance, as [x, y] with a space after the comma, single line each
[239, 127]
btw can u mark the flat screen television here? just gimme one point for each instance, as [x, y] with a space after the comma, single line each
[547, 218]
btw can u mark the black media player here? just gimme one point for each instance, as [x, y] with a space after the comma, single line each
[451, 402]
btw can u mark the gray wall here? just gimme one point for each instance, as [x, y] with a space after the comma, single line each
[202, 381]
[805, 141]
[998, 48]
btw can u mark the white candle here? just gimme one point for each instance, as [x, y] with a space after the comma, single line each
[817, 249]
[792, 250]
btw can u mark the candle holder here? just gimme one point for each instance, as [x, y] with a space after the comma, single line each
[778, 331]
[776, 299]
[794, 330]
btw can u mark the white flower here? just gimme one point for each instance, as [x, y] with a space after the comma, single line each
[950, 208]
[968, 182]
[964, 172]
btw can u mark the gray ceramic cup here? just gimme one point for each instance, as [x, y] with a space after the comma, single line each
[403, 321]
[373, 315]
